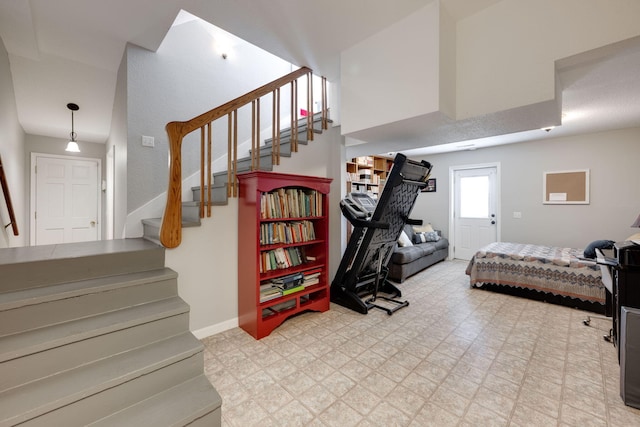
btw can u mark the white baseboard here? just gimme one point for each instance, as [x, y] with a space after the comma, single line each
[216, 329]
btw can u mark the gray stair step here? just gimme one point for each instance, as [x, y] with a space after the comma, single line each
[100, 300]
[34, 366]
[33, 266]
[42, 339]
[285, 148]
[151, 227]
[72, 387]
[44, 294]
[151, 230]
[218, 193]
[178, 406]
[220, 178]
[244, 164]
[285, 134]
[113, 400]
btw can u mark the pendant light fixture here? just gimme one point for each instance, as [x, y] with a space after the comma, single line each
[72, 145]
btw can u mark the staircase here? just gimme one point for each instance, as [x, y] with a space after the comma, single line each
[95, 334]
[219, 187]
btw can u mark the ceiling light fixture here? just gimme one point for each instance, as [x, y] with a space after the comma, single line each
[72, 146]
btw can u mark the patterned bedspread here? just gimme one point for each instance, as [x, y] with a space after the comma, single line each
[543, 268]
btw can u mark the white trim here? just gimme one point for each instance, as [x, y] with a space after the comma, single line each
[32, 202]
[216, 329]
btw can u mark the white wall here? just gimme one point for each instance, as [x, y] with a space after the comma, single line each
[118, 140]
[506, 53]
[394, 74]
[182, 80]
[12, 153]
[611, 158]
[427, 70]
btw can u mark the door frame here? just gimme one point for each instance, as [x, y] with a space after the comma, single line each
[33, 178]
[452, 199]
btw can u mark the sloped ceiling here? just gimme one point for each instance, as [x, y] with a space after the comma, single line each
[70, 50]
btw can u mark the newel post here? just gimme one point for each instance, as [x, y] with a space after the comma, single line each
[171, 230]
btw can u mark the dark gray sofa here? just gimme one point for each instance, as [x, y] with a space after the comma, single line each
[409, 260]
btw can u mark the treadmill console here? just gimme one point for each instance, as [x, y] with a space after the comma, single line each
[358, 205]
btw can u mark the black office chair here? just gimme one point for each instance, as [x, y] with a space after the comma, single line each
[607, 281]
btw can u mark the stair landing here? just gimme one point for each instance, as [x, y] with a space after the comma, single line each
[67, 262]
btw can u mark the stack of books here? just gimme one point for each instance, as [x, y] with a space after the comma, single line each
[289, 284]
[282, 258]
[312, 277]
[269, 291]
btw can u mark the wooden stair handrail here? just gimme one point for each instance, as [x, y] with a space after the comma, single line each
[185, 128]
[7, 199]
[171, 228]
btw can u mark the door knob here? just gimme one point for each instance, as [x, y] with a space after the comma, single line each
[93, 223]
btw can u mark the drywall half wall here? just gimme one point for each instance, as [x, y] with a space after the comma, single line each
[506, 52]
[611, 158]
[394, 74]
[117, 145]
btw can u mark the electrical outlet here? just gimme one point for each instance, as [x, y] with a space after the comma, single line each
[517, 215]
[148, 141]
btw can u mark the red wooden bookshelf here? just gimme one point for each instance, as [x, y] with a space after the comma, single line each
[257, 318]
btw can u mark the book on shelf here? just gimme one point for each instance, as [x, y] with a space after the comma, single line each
[269, 291]
[281, 258]
[275, 309]
[289, 281]
[313, 271]
[292, 290]
[286, 232]
[311, 281]
[290, 203]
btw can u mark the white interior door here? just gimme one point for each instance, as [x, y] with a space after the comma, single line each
[474, 210]
[66, 208]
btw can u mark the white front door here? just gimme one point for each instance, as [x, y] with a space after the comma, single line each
[474, 209]
[66, 200]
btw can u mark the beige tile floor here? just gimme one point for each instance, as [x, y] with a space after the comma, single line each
[455, 357]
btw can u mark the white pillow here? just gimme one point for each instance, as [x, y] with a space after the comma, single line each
[404, 240]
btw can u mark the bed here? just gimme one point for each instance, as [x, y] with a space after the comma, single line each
[552, 274]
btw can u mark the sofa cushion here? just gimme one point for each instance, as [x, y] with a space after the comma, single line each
[411, 253]
[425, 228]
[404, 240]
[441, 244]
[425, 236]
[408, 230]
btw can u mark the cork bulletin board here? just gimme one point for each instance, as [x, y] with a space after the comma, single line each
[566, 187]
